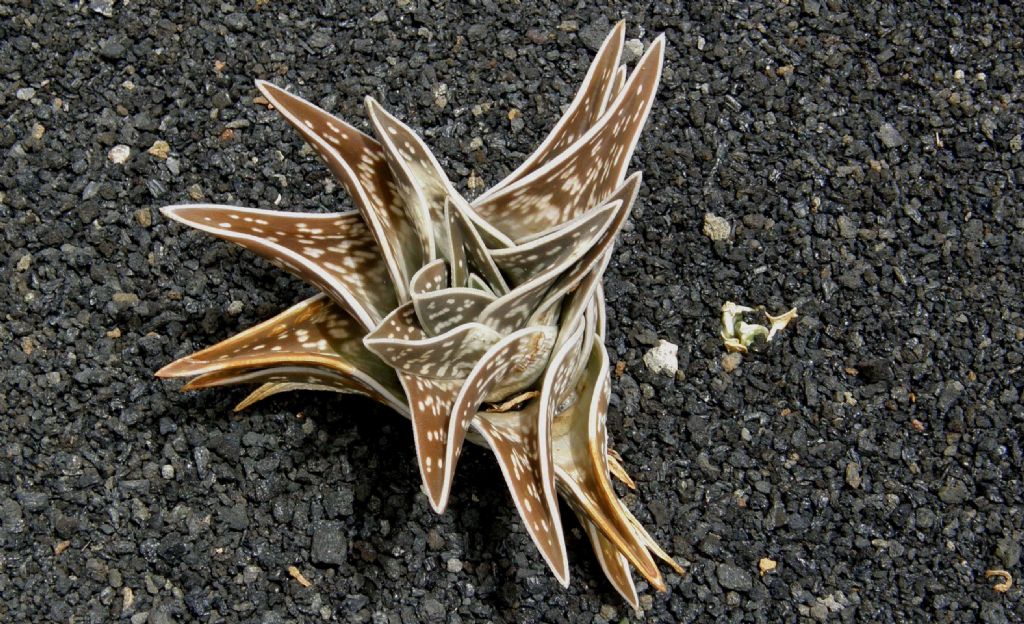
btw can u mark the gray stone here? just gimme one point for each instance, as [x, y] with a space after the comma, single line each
[433, 610]
[113, 49]
[1008, 550]
[954, 492]
[889, 135]
[846, 227]
[236, 517]
[853, 475]
[733, 577]
[237, 21]
[329, 544]
[593, 34]
[11, 516]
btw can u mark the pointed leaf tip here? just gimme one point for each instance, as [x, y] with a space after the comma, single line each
[166, 372]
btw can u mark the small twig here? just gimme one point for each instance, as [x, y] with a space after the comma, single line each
[513, 402]
[1005, 585]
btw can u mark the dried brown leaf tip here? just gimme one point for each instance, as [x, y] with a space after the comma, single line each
[479, 321]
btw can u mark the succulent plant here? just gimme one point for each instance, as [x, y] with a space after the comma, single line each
[479, 321]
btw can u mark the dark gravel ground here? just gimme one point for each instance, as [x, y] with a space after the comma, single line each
[869, 159]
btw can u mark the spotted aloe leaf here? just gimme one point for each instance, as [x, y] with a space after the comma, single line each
[586, 171]
[478, 321]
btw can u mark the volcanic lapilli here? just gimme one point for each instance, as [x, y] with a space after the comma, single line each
[479, 321]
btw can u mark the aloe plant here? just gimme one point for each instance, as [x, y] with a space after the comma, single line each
[479, 321]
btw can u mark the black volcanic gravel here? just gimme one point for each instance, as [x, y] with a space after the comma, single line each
[868, 158]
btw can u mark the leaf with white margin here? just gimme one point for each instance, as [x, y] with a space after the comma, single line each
[439, 309]
[431, 277]
[358, 162]
[477, 251]
[577, 363]
[597, 255]
[588, 171]
[478, 283]
[521, 440]
[417, 205]
[309, 377]
[573, 238]
[421, 179]
[614, 564]
[271, 388]
[457, 263]
[442, 310]
[316, 333]
[519, 446]
[334, 252]
[618, 81]
[584, 111]
[404, 345]
[512, 311]
[579, 443]
[602, 318]
[510, 365]
[430, 406]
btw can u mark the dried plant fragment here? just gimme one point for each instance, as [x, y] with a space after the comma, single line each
[738, 335]
[1007, 580]
[299, 577]
[481, 322]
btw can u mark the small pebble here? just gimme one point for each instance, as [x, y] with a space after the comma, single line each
[329, 543]
[889, 135]
[716, 228]
[634, 49]
[433, 609]
[661, 359]
[853, 475]
[731, 361]
[103, 7]
[144, 217]
[127, 299]
[160, 149]
[119, 154]
[733, 577]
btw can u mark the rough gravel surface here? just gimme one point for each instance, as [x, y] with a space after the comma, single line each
[867, 159]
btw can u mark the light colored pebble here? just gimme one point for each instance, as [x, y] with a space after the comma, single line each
[119, 154]
[661, 359]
